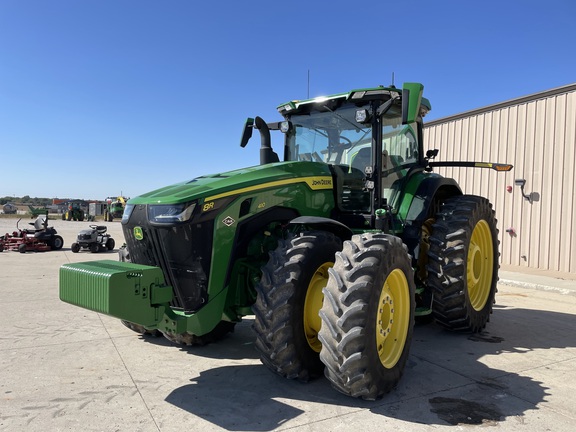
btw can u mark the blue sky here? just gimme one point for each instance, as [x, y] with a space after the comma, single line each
[99, 98]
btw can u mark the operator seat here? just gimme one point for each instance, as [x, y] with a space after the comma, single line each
[351, 193]
[362, 159]
[39, 224]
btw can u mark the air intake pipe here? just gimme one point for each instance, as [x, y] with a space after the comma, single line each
[267, 155]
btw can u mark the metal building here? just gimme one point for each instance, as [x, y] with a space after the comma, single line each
[536, 134]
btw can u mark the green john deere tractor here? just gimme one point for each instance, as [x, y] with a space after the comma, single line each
[335, 251]
[74, 212]
[115, 208]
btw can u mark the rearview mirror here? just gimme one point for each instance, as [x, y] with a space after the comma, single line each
[247, 133]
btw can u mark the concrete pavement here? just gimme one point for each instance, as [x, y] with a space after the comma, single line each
[63, 368]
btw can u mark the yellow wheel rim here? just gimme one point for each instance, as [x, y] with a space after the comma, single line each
[313, 304]
[392, 318]
[480, 265]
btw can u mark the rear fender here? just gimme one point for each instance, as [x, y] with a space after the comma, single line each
[426, 200]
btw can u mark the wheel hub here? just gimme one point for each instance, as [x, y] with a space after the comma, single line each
[475, 259]
[313, 304]
[480, 265]
[392, 318]
[386, 312]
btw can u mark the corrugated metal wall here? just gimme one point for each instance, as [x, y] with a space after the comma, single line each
[537, 134]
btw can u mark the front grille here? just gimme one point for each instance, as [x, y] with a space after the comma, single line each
[182, 251]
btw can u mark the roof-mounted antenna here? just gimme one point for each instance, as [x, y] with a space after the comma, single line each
[393, 80]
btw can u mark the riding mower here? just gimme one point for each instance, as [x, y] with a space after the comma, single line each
[40, 239]
[94, 239]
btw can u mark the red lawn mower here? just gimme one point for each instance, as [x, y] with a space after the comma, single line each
[39, 239]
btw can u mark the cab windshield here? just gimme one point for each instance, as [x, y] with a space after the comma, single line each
[337, 139]
[332, 137]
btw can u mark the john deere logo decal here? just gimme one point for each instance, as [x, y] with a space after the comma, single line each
[138, 233]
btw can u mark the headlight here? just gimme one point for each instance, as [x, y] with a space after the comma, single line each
[362, 116]
[170, 213]
[127, 212]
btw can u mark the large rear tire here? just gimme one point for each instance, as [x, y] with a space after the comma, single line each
[463, 263]
[289, 298]
[368, 316]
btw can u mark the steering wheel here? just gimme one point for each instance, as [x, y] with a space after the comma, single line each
[348, 141]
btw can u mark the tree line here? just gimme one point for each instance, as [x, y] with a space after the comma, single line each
[26, 199]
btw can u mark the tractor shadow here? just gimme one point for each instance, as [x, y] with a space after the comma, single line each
[446, 380]
[87, 252]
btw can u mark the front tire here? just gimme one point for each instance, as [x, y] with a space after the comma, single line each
[463, 263]
[289, 298]
[368, 316]
[217, 333]
[141, 329]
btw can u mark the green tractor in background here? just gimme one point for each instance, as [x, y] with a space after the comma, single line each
[74, 212]
[36, 212]
[115, 208]
[334, 251]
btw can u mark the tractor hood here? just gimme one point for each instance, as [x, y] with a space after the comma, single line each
[316, 175]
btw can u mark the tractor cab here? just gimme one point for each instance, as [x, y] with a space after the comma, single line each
[370, 138]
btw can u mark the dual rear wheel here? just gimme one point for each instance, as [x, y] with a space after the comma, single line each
[368, 316]
[463, 263]
[289, 297]
[347, 309]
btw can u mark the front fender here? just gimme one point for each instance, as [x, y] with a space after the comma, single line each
[324, 224]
